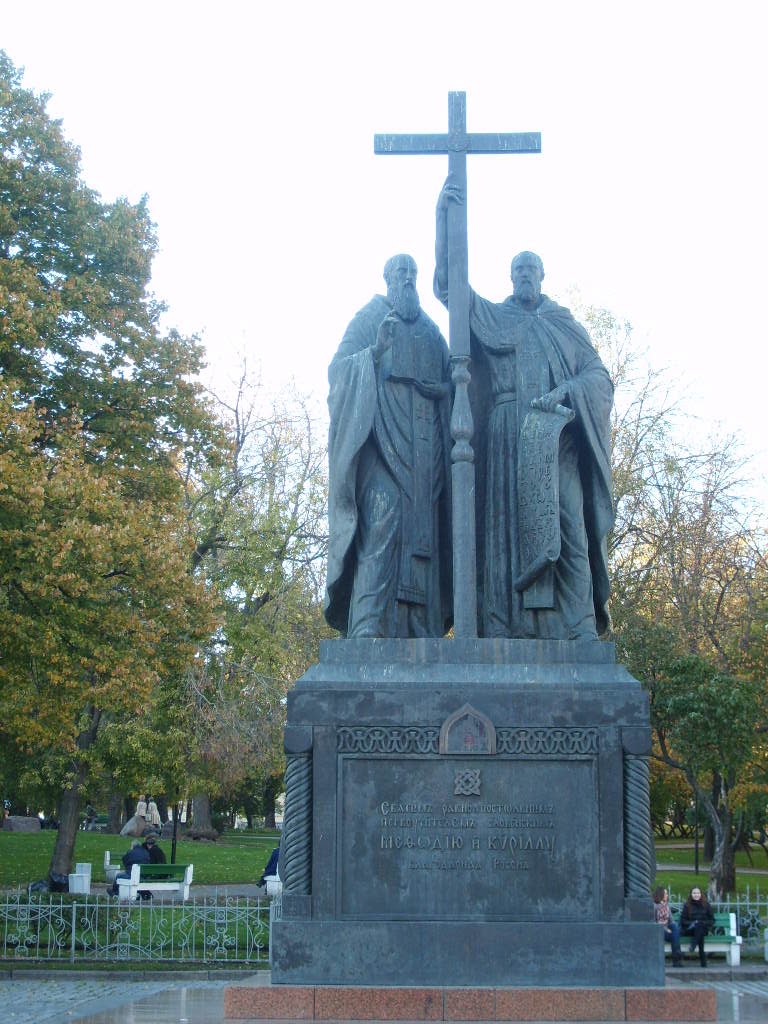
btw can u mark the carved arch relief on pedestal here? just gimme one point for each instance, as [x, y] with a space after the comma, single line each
[467, 731]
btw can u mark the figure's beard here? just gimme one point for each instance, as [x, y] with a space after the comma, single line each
[527, 293]
[405, 301]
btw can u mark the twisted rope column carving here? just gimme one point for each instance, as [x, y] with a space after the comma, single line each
[296, 843]
[638, 846]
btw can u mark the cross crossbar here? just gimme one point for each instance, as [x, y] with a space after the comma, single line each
[472, 142]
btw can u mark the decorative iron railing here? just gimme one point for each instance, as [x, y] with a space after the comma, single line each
[93, 929]
[100, 929]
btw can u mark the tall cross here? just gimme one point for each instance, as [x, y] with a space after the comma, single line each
[457, 143]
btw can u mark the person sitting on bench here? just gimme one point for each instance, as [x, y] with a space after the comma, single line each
[271, 868]
[696, 919]
[156, 855]
[137, 854]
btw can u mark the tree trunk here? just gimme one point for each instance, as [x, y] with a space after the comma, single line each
[708, 851]
[729, 864]
[162, 808]
[201, 812]
[175, 811]
[114, 817]
[69, 821]
[250, 807]
[69, 803]
[271, 790]
[710, 838]
[722, 871]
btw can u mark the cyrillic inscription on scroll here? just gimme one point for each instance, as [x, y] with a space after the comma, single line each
[538, 490]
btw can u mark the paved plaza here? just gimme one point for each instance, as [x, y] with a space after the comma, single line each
[113, 1000]
[53, 1001]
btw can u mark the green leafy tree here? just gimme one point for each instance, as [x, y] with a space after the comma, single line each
[100, 414]
[706, 722]
[98, 606]
[670, 800]
[688, 571]
[79, 330]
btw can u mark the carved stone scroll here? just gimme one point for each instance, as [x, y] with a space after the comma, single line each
[538, 490]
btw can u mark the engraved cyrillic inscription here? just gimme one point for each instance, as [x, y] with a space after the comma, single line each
[400, 820]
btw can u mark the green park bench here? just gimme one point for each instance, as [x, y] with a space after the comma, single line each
[156, 878]
[724, 938]
[98, 824]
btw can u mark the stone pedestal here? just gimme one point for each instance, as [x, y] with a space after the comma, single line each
[467, 813]
[261, 1001]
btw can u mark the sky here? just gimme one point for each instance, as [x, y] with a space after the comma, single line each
[250, 126]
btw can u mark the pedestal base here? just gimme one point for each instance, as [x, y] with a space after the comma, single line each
[467, 812]
[525, 953]
[288, 1002]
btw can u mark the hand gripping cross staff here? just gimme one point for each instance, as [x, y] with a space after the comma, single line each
[457, 143]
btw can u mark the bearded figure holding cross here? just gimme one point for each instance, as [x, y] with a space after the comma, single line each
[541, 401]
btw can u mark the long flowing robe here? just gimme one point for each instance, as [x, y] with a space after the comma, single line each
[389, 558]
[519, 355]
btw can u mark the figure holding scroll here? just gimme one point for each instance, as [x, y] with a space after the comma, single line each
[541, 401]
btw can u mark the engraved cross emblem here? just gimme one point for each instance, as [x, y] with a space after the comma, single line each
[466, 782]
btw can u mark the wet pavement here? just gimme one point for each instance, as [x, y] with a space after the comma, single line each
[51, 1001]
[742, 998]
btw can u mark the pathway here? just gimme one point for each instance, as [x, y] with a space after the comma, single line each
[742, 996]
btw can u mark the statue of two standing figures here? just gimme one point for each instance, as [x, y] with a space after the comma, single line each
[541, 401]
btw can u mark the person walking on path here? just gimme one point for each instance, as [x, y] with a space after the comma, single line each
[153, 815]
[136, 825]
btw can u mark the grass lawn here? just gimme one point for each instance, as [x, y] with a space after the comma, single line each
[25, 856]
[668, 855]
[680, 883]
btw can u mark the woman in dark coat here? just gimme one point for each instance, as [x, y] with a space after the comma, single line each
[696, 919]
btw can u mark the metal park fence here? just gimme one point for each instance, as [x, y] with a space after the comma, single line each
[234, 930]
[99, 929]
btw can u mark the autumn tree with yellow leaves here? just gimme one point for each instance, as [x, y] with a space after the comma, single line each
[99, 414]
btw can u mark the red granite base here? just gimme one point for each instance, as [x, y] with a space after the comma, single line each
[348, 1003]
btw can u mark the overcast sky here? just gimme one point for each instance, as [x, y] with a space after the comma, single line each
[250, 126]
